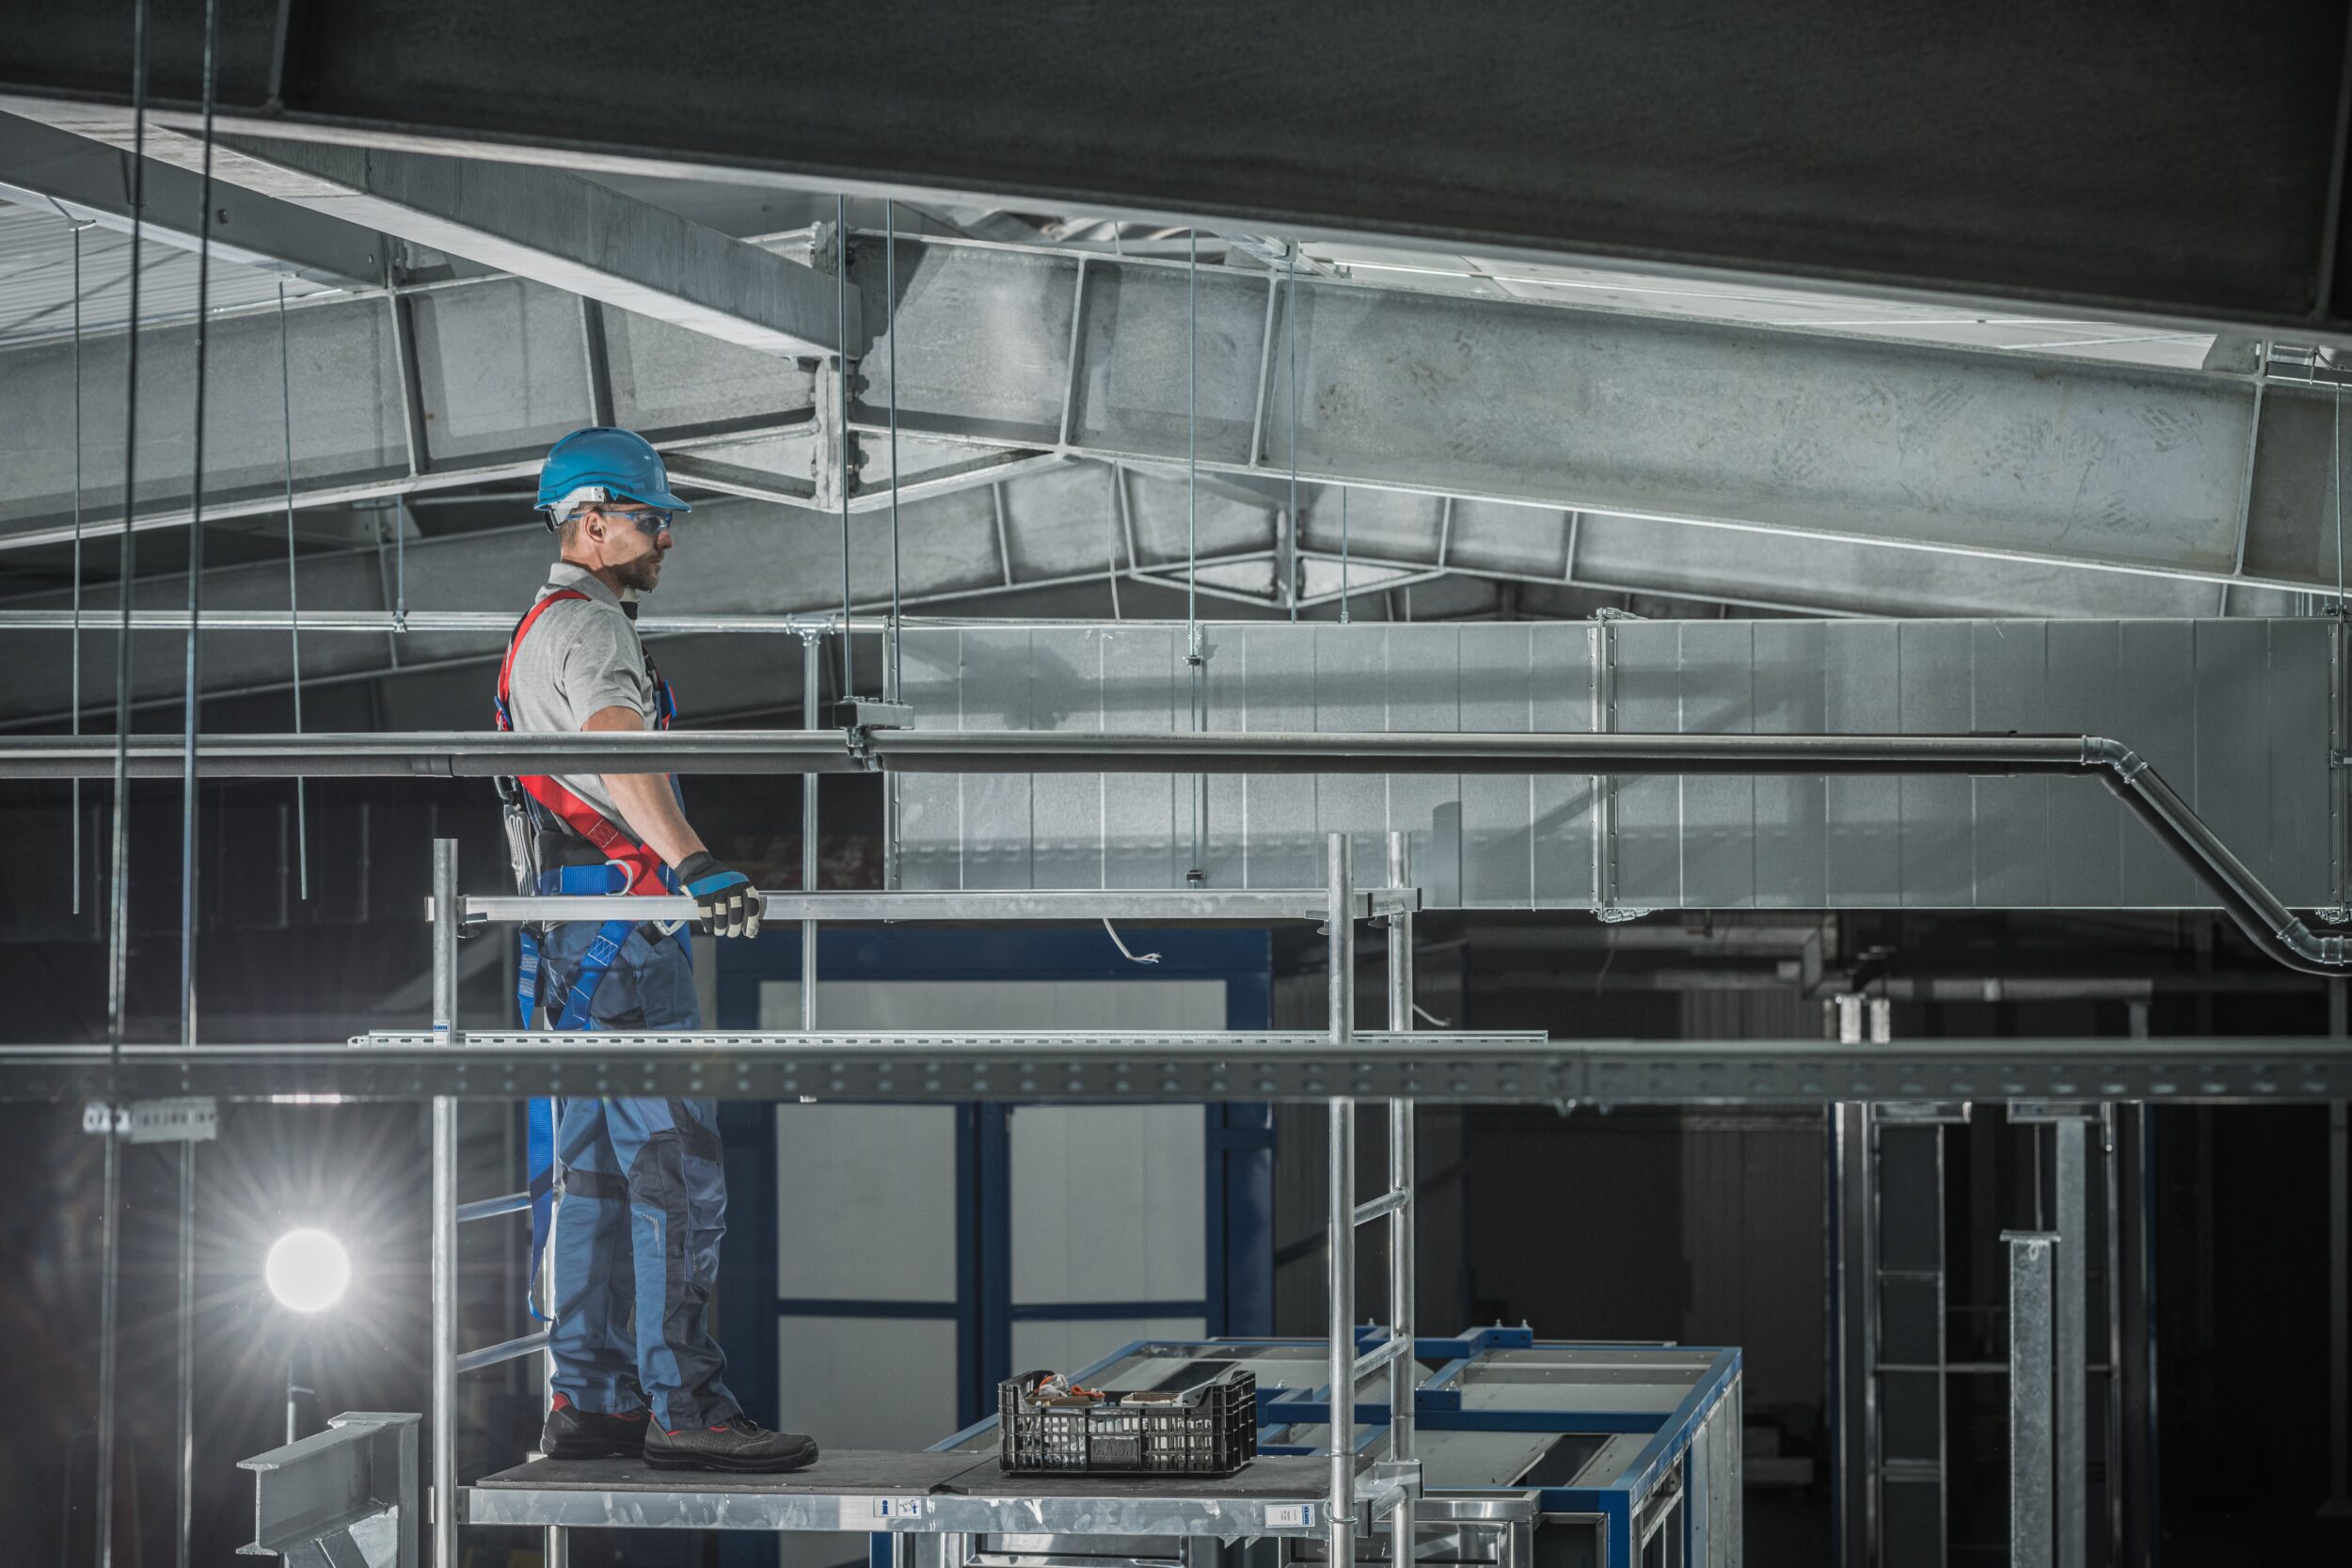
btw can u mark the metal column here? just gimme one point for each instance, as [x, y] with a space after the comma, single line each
[1908, 1367]
[2031, 1516]
[2138, 1457]
[1402, 1241]
[1341, 927]
[1853, 1252]
[1854, 1291]
[2072, 1371]
[444, 1229]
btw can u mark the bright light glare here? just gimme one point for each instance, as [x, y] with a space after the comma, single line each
[308, 1270]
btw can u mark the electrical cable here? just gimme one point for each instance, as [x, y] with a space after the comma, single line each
[1131, 957]
[1192, 444]
[192, 719]
[75, 656]
[890, 329]
[841, 362]
[192, 702]
[2338, 458]
[119, 913]
[1110, 523]
[294, 596]
[400, 566]
[1342, 555]
[1290, 310]
[1196, 657]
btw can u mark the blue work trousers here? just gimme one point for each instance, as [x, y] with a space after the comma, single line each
[641, 1205]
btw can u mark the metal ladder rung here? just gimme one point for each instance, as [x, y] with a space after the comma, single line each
[1386, 1203]
[490, 1356]
[484, 1208]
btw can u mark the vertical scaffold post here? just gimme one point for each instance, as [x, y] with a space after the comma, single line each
[2032, 1398]
[810, 670]
[1340, 914]
[1403, 1372]
[445, 920]
[1402, 1240]
[2069, 1322]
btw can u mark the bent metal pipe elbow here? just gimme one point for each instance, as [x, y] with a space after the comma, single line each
[2099, 752]
[2333, 952]
[2268, 924]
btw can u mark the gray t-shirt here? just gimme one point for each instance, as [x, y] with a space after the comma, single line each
[581, 657]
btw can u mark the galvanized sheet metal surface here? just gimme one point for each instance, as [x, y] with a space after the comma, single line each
[2234, 713]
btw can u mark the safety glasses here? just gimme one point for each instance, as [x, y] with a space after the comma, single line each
[652, 520]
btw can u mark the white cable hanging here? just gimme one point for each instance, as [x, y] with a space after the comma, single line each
[1131, 957]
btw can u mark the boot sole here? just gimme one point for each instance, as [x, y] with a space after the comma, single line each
[591, 1450]
[795, 1461]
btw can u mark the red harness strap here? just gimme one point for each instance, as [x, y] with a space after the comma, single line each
[644, 867]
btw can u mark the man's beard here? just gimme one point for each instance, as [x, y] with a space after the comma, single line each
[641, 574]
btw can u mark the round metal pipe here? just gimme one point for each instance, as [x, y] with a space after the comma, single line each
[436, 754]
[476, 754]
[1444, 752]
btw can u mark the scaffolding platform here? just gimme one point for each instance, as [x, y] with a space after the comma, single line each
[931, 1492]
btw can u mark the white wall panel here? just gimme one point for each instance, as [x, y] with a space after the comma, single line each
[2234, 713]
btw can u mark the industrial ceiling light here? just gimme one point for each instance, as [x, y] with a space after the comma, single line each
[307, 1270]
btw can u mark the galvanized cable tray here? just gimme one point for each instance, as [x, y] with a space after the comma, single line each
[1192, 1068]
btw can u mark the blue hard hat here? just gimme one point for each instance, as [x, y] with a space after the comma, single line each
[621, 463]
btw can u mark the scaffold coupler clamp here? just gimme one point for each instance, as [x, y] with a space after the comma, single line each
[860, 717]
[1387, 1482]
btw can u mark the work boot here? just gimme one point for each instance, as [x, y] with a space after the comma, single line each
[575, 1433]
[739, 1442]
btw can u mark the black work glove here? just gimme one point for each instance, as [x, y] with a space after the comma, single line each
[725, 903]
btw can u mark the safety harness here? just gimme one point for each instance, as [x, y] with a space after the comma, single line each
[629, 867]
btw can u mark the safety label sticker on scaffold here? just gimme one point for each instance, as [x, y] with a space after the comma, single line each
[1290, 1517]
[898, 1508]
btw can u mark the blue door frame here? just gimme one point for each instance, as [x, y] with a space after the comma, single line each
[1239, 1165]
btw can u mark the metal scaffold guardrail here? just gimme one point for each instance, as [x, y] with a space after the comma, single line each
[1392, 1487]
[863, 745]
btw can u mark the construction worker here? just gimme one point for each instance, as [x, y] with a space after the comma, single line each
[639, 1196]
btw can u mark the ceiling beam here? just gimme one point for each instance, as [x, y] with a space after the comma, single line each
[1913, 156]
[547, 225]
[1404, 397]
[44, 167]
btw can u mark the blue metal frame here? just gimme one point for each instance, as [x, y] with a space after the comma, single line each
[1437, 1406]
[1239, 1149]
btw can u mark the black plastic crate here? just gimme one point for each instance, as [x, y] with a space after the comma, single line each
[1209, 1430]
